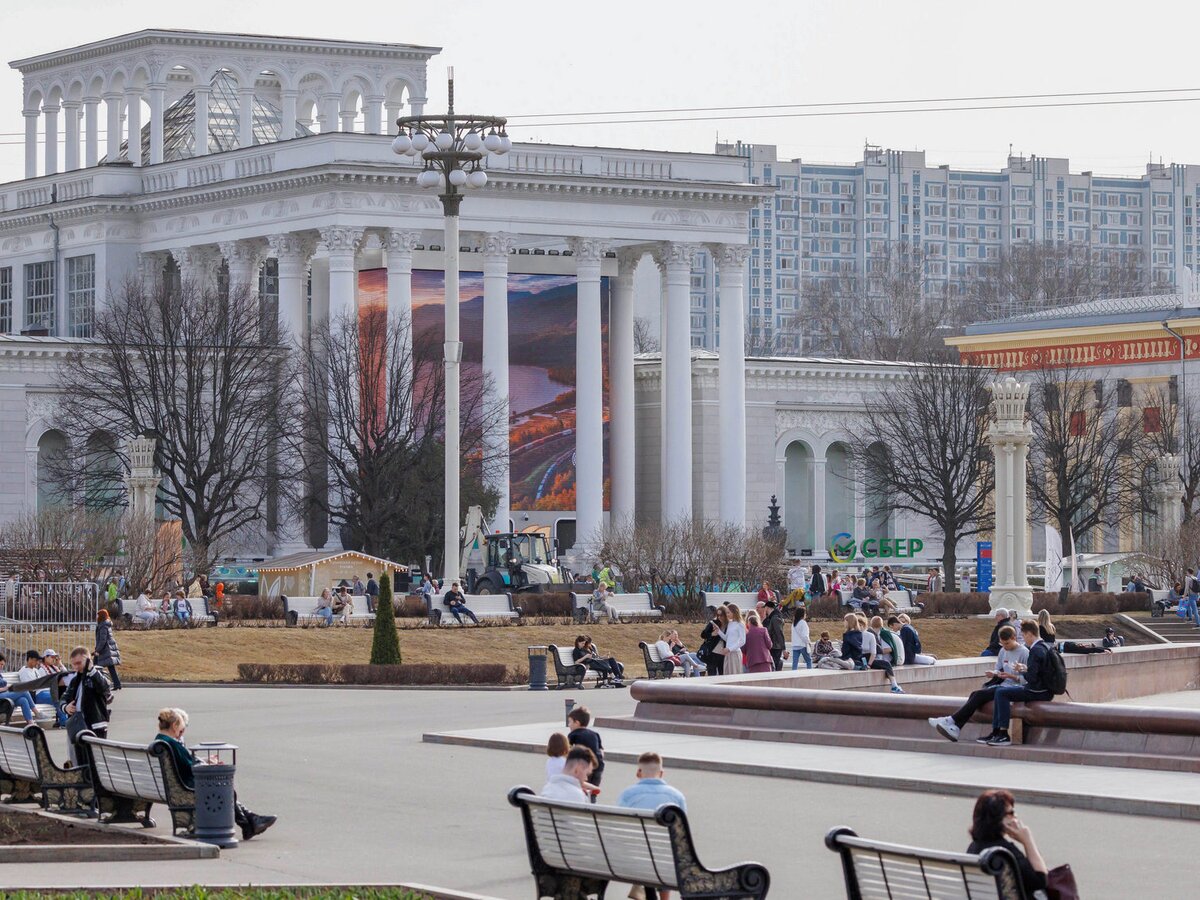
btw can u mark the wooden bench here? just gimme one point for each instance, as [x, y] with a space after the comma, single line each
[43, 712]
[745, 600]
[493, 607]
[568, 672]
[628, 606]
[303, 611]
[135, 777]
[877, 871]
[656, 666]
[576, 849]
[28, 773]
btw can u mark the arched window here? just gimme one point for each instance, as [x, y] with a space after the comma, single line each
[51, 489]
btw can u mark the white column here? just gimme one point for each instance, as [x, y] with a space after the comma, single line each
[133, 125]
[156, 97]
[342, 244]
[820, 532]
[197, 267]
[51, 147]
[112, 143]
[416, 105]
[200, 135]
[287, 123]
[621, 409]
[243, 259]
[496, 248]
[399, 246]
[347, 117]
[589, 396]
[31, 138]
[372, 113]
[150, 270]
[245, 117]
[71, 127]
[91, 131]
[292, 251]
[731, 265]
[677, 381]
[327, 112]
[452, 356]
[1009, 436]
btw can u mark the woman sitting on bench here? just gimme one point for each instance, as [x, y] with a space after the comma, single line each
[172, 723]
[607, 667]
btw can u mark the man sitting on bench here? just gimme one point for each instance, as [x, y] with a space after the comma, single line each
[1012, 654]
[457, 604]
[1036, 688]
[569, 783]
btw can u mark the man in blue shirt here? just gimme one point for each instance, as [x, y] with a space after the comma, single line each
[650, 791]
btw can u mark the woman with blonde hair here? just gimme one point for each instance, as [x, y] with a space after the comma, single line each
[734, 636]
[1046, 629]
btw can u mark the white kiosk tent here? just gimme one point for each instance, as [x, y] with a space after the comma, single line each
[307, 573]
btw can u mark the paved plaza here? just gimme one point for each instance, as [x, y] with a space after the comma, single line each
[361, 798]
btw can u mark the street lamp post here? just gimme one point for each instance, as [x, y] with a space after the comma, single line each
[453, 148]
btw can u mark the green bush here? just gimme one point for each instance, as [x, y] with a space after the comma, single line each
[385, 643]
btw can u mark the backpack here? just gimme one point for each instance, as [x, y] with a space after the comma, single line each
[1056, 673]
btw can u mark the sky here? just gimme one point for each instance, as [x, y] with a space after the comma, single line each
[529, 57]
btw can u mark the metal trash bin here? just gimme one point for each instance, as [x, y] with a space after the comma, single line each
[215, 803]
[537, 668]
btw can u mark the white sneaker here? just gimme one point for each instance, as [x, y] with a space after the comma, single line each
[945, 727]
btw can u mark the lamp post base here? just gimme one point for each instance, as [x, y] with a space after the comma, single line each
[1012, 597]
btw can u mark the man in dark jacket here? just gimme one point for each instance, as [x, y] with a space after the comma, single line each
[1036, 687]
[85, 700]
[993, 647]
[768, 613]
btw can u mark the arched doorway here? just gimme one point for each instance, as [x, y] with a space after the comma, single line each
[878, 517]
[51, 456]
[798, 496]
[839, 492]
[103, 484]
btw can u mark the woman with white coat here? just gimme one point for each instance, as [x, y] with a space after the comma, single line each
[734, 636]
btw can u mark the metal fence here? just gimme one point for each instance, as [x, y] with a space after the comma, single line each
[36, 615]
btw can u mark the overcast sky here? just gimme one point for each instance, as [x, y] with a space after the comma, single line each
[535, 57]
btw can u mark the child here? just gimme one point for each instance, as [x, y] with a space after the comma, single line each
[824, 648]
[556, 754]
[580, 735]
[800, 639]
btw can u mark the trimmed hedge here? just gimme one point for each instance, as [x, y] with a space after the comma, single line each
[358, 674]
[557, 604]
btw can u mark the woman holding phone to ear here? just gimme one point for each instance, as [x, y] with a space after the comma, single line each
[995, 824]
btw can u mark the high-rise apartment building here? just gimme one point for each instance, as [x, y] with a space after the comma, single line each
[828, 222]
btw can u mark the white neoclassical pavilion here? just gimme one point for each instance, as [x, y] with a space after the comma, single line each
[294, 171]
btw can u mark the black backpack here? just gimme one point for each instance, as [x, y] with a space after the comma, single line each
[1055, 676]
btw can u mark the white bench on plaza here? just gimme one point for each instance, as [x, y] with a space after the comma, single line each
[744, 600]
[28, 774]
[568, 672]
[303, 611]
[487, 607]
[43, 712]
[135, 777]
[204, 612]
[628, 606]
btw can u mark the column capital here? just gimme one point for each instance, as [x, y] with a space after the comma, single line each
[196, 263]
[72, 104]
[248, 252]
[291, 247]
[150, 265]
[675, 255]
[341, 240]
[628, 259]
[50, 108]
[729, 256]
[32, 113]
[588, 250]
[498, 245]
[396, 240]
[206, 89]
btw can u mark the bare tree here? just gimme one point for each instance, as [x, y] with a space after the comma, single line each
[1170, 552]
[64, 541]
[1082, 476]
[644, 338]
[1177, 432]
[191, 368]
[935, 461]
[372, 417]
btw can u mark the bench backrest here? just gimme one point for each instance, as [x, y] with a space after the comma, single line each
[564, 655]
[744, 600]
[878, 871]
[488, 604]
[640, 602]
[128, 770]
[629, 845]
[650, 648]
[16, 754]
[900, 598]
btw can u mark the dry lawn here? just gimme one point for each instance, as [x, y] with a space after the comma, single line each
[212, 654]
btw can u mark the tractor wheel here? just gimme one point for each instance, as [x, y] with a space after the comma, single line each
[483, 587]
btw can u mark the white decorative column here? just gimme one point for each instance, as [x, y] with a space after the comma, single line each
[156, 97]
[820, 530]
[200, 136]
[71, 129]
[1168, 496]
[1009, 436]
[399, 246]
[496, 248]
[197, 267]
[150, 269]
[51, 147]
[621, 407]
[731, 266]
[292, 252]
[342, 244]
[347, 117]
[677, 381]
[91, 131]
[416, 105]
[243, 259]
[372, 113]
[327, 112]
[133, 126]
[245, 117]
[143, 479]
[112, 137]
[589, 396]
[287, 120]
[32, 117]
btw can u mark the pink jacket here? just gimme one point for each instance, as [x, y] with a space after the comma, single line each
[758, 646]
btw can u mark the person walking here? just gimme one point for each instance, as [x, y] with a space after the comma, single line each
[772, 620]
[86, 701]
[758, 646]
[107, 654]
[800, 639]
[1192, 599]
[734, 636]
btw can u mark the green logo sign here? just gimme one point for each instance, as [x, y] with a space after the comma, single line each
[843, 548]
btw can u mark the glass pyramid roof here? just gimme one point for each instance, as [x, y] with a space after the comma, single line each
[179, 118]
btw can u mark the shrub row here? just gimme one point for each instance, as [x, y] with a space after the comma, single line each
[976, 604]
[409, 674]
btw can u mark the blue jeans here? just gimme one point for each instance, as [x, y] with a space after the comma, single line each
[457, 611]
[1003, 699]
[23, 702]
[1190, 609]
[326, 613]
[43, 696]
[797, 652]
[182, 616]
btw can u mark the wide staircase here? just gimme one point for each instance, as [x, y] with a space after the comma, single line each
[1171, 628]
